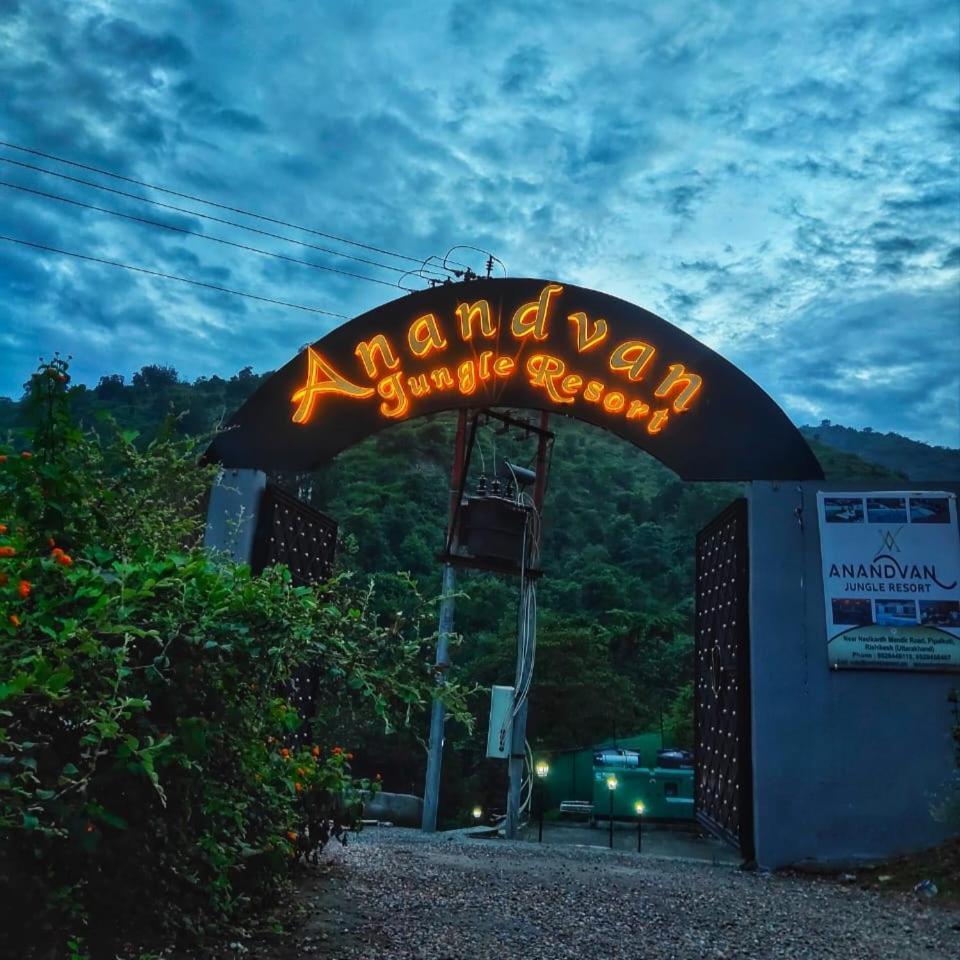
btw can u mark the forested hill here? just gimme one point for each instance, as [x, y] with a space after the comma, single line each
[615, 604]
[915, 460]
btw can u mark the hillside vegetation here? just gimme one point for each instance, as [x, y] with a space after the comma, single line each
[614, 651]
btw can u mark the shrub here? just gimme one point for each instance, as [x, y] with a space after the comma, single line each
[151, 783]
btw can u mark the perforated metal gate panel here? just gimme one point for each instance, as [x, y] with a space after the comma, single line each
[292, 533]
[723, 788]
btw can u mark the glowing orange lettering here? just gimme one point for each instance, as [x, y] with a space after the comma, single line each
[485, 359]
[689, 384]
[467, 378]
[467, 311]
[418, 385]
[322, 378]
[378, 345]
[614, 402]
[634, 356]
[532, 317]
[503, 366]
[544, 372]
[637, 409]
[585, 339]
[424, 335]
[593, 391]
[657, 421]
[572, 383]
[441, 378]
[396, 403]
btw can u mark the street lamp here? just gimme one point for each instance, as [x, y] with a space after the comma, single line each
[611, 787]
[639, 807]
[477, 814]
[542, 769]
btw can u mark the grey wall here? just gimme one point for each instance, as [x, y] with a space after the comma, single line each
[232, 512]
[845, 762]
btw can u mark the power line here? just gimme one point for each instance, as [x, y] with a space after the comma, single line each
[206, 216]
[192, 233]
[212, 203]
[170, 276]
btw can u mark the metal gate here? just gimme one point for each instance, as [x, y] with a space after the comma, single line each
[723, 786]
[291, 532]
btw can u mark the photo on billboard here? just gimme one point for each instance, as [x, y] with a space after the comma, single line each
[843, 509]
[886, 510]
[929, 510]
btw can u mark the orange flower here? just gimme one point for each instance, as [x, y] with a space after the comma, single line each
[3, 528]
[315, 751]
[378, 777]
[89, 827]
[3, 458]
[349, 756]
[57, 552]
[292, 836]
[284, 752]
[14, 619]
[51, 542]
[301, 772]
[26, 454]
[64, 559]
[7, 552]
[337, 751]
[298, 786]
[3, 579]
[24, 589]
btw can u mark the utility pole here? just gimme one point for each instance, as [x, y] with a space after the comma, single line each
[431, 786]
[527, 619]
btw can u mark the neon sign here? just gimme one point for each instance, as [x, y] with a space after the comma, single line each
[404, 368]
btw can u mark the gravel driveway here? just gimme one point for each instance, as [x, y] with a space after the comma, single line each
[400, 895]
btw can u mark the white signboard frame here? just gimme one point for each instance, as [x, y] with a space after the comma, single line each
[891, 579]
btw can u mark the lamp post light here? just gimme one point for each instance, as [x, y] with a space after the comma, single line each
[542, 769]
[639, 807]
[477, 814]
[611, 787]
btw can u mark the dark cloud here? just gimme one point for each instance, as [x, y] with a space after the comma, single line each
[756, 174]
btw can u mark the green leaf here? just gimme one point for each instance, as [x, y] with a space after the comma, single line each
[30, 822]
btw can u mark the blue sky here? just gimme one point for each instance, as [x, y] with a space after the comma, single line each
[780, 180]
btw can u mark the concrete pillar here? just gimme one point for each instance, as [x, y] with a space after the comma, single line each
[232, 513]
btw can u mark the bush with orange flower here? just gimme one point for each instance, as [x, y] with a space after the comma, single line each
[152, 770]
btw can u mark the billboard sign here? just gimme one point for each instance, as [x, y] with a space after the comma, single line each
[891, 579]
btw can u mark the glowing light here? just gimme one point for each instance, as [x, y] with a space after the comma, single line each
[441, 378]
[531, 318]
[542, 768]
[689, 384]
[468, 311]
[612, 782]
[614, 402]
[477, 813]
[634, 356]
[424, 335]
[322, 378]
[396, 402]
[587, 340]
[418, 385]
[377, 345]
[639, 808]
[467, 378]
[504, 366]
[544, 372]
[637, 409]
[657, 421]
[593, 391]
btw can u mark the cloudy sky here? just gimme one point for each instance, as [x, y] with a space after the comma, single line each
[780, 180]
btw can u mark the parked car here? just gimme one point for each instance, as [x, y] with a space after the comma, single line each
[674, 759]
[615, 757]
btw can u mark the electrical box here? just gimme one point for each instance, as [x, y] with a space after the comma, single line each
[500, 730]
[493, 527]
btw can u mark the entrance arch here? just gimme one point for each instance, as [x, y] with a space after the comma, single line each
[520, 343]
[560, 349]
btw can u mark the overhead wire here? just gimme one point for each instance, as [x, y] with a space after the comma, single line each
[193, 233]
[170, 276]
[204, 216]
[212, 203]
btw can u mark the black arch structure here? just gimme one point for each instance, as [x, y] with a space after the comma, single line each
[732, 430]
